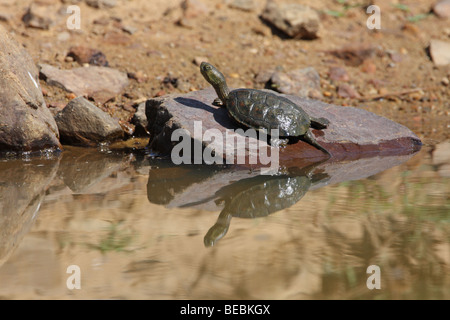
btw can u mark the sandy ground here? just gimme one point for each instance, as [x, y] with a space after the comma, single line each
[147, 38]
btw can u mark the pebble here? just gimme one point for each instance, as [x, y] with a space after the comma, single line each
[445, 81]
[100, 4]
[440, 52]
[368, 66]
[295, 20]
[38, 16]
[198, 60]
[194, 8]
[442, 9]
[91, 56]
[338, 74]
[244, 5]
[302, 82]
[347, 91]
[354, 55]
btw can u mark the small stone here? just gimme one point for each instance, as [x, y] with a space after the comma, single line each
[129, 29]
[139, 76]
[440, 52]
[445, 81]
[368, 66]
[442, 9]
[338, 74]
[82, 123]
[100, 4]
[198, 60]
[347, 91]
[194, 8]
[354, 55]
[71, 96]
[140, 121]
[37, 16]
[244, 5]
[383, 91]
[100, 83]
[63, 36]
[83, 55]
[302, 82]
[295, 20]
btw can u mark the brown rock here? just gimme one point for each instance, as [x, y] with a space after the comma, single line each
[302, 82]
[354, 55]
[26, 123]
[368, 66]
[194, 8]
[82, 55]
[347, 91]
[295, 20]
[82, 123]
[100, 83]
[38, 16]
[338, 74]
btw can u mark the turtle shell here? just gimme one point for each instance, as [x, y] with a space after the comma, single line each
[264, 110]
[262, 196]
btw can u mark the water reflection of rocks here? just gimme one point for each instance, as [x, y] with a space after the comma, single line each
[93, 209]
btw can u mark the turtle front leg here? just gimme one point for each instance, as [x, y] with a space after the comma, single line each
[218, 102]
[309, 137]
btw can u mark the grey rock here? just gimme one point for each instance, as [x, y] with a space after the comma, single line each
[244, 5]
[302, 82]
[295, 20]
[100, 83]
[352, 133]
[26, 122]
[82, 123]
[100, 4]
[37, 16]
[140, 121]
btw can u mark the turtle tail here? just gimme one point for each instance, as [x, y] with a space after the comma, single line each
[309, 137]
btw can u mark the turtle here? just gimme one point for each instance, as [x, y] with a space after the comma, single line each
[263, 110]
[260, 196]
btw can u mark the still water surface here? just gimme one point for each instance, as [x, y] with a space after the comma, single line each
[141, 228]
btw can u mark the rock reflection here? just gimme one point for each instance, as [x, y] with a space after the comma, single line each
[22, 189]
[82, 169]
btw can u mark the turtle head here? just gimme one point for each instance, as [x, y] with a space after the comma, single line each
[211, 74]
[216, 79]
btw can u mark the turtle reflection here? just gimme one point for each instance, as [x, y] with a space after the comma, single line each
[260, 196]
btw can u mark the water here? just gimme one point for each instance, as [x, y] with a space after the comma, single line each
[143, 229]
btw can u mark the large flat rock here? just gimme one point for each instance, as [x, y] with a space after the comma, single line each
[352, 133]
